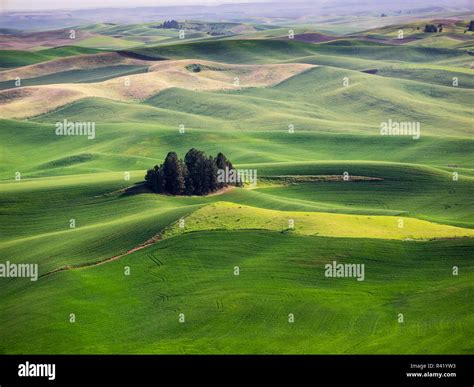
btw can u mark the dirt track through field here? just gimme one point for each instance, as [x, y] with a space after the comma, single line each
[148, 243]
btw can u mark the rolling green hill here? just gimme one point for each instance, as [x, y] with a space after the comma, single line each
[279, 275]
[305, 101]
[336, 110]
[267, 51]
[16, 58]
[98, 74]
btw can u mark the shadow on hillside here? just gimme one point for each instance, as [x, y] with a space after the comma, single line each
[137, 188]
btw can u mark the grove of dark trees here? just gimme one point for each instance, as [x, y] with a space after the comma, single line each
[170, 24]
[197, 174]
[434, 28]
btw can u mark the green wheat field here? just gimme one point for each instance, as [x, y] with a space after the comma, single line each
[238, 278]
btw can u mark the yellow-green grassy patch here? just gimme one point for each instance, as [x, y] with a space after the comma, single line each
[230, 216]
